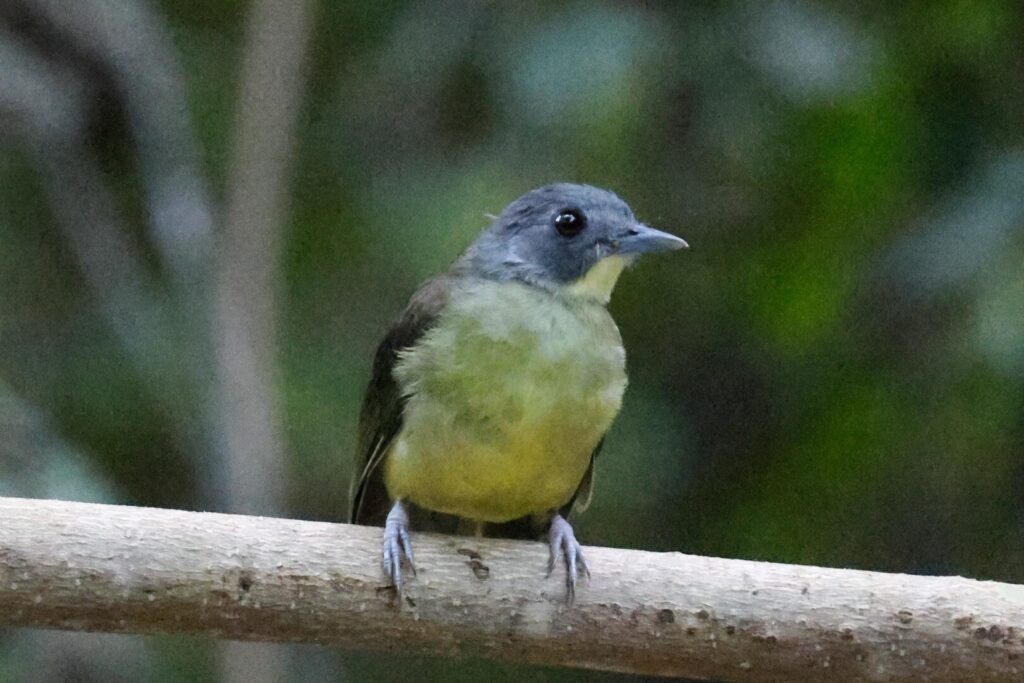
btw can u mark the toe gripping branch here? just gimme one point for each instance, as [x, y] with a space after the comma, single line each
[397, 546]
[562, 543]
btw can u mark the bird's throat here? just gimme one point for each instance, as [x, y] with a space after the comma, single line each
[600, 280]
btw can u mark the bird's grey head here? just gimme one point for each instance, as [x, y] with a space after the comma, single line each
[567, 238]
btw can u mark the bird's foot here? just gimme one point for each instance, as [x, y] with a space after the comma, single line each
[562, 542]
[397, 546]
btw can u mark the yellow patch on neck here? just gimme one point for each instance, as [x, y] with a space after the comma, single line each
[600, 280]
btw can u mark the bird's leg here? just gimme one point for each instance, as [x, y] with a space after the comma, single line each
[397, 545]
[562, 542]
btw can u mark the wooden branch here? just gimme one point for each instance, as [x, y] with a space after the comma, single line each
[137, 570]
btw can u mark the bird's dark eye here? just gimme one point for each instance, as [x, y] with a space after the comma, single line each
[570, 222]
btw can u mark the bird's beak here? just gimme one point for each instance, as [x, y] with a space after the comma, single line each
[641, 239]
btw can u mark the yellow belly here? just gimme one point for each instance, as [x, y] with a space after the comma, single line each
[509, 394]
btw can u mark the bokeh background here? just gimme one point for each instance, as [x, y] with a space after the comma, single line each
[210, 210]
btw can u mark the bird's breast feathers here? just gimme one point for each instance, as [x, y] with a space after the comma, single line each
[508, 395]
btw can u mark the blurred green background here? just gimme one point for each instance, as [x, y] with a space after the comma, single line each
[834, 374]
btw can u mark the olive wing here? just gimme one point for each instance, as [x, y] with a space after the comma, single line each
[380, 420]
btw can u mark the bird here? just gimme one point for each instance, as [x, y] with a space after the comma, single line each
[491, 395]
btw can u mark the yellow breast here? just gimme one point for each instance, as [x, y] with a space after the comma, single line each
[509, 395]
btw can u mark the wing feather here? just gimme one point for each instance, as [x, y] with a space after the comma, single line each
[381, 418]
[585, 491]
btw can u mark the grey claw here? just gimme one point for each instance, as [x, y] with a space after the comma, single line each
[403, 534]
[562, 542]
[554, 552]
[397, 546]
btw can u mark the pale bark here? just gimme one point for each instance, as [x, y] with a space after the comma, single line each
[135, 570]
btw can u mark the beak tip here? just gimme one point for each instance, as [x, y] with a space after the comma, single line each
[643, 239]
